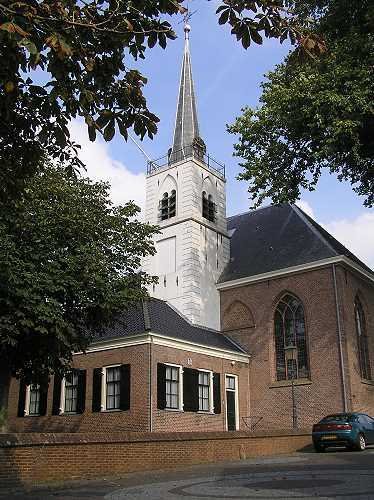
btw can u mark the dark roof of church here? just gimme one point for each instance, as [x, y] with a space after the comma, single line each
[157, 316]
[278, 237]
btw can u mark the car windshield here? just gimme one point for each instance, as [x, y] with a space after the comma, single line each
[342, 417]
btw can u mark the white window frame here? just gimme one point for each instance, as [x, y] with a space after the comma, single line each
[236, 390]
[27, 403]
[180, 387]
[62, 398]
[103, 388]
[211, 402]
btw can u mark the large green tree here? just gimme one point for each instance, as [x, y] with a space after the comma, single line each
[316, 113]
[69, 262]
[66, 58]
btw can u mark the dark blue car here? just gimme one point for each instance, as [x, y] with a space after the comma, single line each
[352, 430]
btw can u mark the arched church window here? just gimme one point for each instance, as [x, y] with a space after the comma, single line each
[290, 340]
[209, 207]
[168, 205]
[363, 348]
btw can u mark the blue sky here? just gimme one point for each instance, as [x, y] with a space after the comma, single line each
[227, 78]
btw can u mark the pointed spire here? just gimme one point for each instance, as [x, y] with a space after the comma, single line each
[186, 130]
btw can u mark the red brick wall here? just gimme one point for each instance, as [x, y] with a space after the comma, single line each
[138, 417]
[270, 400]
[350, 284]
[172, 421]
[40, 458]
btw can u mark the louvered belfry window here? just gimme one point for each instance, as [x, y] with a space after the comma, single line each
[289, 331]
[209, 207]
[168, 205]
[363, 348]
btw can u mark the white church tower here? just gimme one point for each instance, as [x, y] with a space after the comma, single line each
[185, 196]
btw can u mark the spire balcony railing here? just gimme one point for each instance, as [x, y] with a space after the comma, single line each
[184, 154]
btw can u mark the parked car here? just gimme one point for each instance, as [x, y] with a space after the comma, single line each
[352, 430]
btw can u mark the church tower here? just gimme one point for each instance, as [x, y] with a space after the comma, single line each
[186, 197]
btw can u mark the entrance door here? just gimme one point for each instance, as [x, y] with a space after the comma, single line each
[231, 403]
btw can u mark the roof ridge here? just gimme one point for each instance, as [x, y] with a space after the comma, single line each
[253, 210]
[303, 216]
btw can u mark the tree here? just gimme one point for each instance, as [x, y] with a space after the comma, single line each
[317, 112]
[67, 58]
[69, 262]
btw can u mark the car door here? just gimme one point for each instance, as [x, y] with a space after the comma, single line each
[370, 425]
[367, 426]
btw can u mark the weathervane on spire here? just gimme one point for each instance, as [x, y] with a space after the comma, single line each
[187, 16]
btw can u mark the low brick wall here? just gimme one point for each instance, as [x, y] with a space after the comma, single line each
[41, 458]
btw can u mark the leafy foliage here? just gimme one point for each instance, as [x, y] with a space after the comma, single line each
[69, 261]
[67, 58]
[316, 113]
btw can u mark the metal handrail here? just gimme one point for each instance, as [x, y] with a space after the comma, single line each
[191, 151]
[251, 425]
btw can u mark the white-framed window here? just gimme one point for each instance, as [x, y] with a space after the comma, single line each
[205, 390]
[69, 392]
[111, 388]
[32, 403]
[174, 387]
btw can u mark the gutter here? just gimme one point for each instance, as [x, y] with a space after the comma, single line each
[340, 341]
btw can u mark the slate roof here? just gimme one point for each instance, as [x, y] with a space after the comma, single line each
[157, 316]
[278, 237]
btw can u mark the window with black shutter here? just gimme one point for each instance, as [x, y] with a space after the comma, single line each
[204, 390]
[96, 389]
[81, 399]
[71, 392]
[113, 388]
[125, 387]
[34, 400]
[190, 389]
[217, 392]
[21, 399]
[161, 386]
[56, 403]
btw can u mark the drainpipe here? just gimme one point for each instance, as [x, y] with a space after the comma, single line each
[340, 342]
[150, 386]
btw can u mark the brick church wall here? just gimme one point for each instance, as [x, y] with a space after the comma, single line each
[361, 392]
[271, 401]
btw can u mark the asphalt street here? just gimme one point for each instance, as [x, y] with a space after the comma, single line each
[335, 474]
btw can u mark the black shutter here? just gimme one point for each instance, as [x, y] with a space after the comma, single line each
[21, 398]
[43, 391]
[125, 387]
[56, 395]
[161, 386]
[217, 392]
[96, 389]
[81, 399]
[190, 389]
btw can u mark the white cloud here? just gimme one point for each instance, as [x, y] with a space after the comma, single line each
[125, 185]
[357, 233]
[305, 207]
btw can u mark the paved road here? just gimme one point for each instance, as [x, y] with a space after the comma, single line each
[335, 474]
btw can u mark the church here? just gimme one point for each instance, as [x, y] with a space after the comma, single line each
[260, 321]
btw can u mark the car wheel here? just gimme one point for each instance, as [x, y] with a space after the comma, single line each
[361, 443]
[319, 448]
